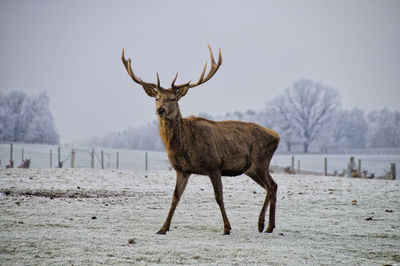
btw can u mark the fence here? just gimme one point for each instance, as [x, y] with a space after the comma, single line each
[349, 168]
[49, 156]
[45, 156]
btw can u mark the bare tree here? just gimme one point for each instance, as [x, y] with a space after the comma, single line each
[303, 111]
[281, 122]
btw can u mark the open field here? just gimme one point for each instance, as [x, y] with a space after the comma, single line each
[82, 216]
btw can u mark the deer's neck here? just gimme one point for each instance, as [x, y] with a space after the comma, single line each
[171, 132]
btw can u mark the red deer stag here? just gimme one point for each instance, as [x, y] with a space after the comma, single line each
[199, 146]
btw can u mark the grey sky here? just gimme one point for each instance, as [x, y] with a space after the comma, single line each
[72, 49]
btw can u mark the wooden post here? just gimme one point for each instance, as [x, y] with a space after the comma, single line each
[298, 167]
[326, 166]
[350, 167]
[293, 164]
[92, 159]
[22, 156]
[102, 159]
[51, 159]
[359, 167]
[117, 160]
[59, 157]
[72, 158]
[393, 171]
[146, 165]
[11, 156]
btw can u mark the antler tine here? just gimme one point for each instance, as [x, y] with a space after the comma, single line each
[158, 81]
[202, 73]
[128, 67]
[176, 87]
[211, 55]
[213, 69]
[173, 82]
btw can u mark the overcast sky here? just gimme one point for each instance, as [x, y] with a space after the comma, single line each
[72, 50]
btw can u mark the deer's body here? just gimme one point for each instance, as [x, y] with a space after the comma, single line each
[200, 146]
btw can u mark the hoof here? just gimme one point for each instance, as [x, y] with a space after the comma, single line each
[227, 232]
[227, 229]
[260, 227]
[162, 232]
[270, 229]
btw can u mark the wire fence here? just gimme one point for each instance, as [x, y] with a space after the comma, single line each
[50, 156]
[364, 166]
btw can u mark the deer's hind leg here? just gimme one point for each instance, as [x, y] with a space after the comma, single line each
[271, 194]
[217, 185]
[262, 177]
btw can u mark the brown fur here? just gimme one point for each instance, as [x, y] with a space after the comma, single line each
[200, 146]
[228, 148]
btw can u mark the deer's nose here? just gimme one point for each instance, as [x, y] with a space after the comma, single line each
[160, 111]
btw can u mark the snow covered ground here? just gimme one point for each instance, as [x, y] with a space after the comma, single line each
[89, 216]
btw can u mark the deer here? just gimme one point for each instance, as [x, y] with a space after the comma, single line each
[200, 146]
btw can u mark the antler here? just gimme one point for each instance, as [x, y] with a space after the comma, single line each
[138, 80]
[202, 79]
[152, 89]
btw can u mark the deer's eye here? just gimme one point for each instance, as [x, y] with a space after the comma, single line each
[172, 99]
[157, 99]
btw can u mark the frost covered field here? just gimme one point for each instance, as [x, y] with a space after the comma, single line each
[89, 216]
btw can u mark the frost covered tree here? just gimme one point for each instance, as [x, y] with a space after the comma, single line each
[347, 129]
[383, 129]
[139, 138]
[273, 118]
[303, 111]
[26, 118]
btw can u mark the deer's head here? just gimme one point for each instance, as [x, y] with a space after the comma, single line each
[167, 99]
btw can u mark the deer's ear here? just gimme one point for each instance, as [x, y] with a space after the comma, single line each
[182, 92]
[150, 91]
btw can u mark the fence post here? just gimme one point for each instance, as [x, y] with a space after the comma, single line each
[393, 171]
[92, 159]
[350, 167]
[146, 161]
[359, 167]
[51, 159]
[22, 161]
[117, 160]
[59, 158]
[11, 156]
[102, 159]
[298, 167]
[293, 164]
[326, 166]
[72, 158]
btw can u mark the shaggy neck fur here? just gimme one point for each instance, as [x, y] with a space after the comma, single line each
[171, 131]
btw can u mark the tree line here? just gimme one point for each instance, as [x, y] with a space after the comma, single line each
[26, 118]
[308, 117]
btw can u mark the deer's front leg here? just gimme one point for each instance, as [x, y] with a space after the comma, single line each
[181, 181]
